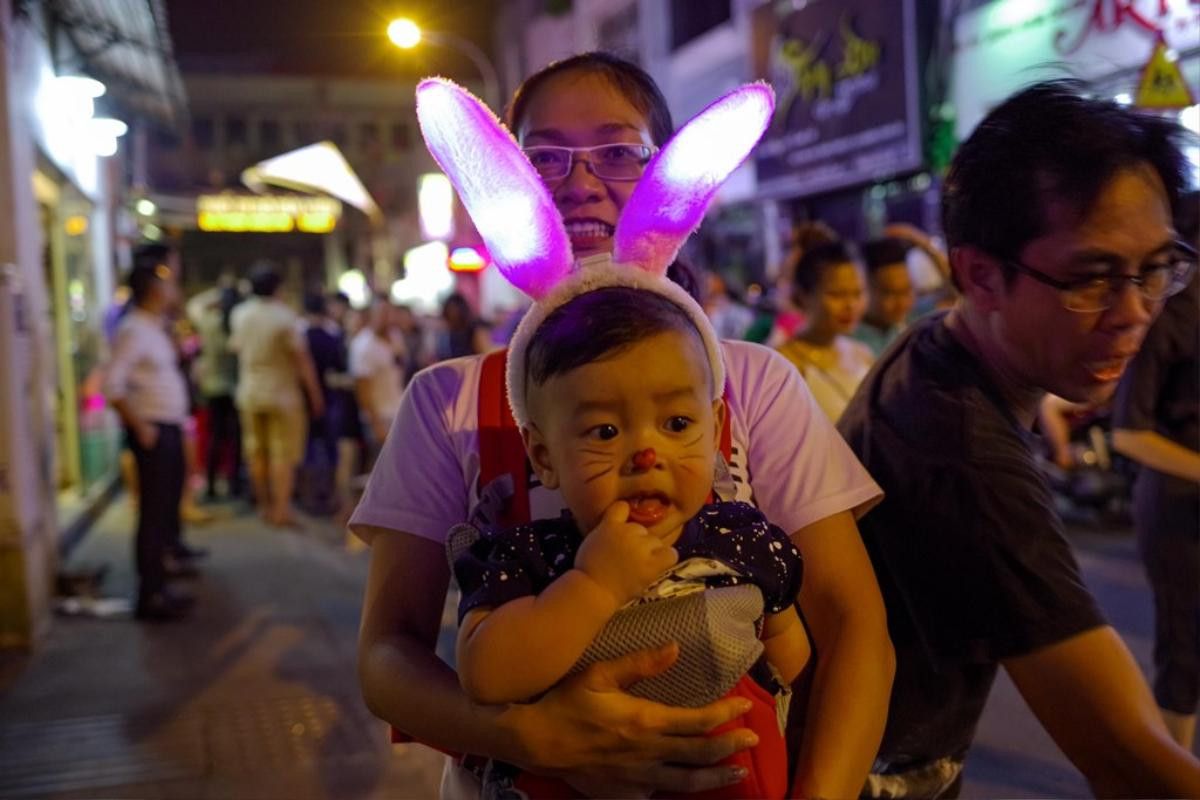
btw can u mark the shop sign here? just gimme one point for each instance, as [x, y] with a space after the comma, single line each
[232, 213]
[1007, 44]
[844, 73]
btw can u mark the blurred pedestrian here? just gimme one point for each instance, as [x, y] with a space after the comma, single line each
[216, 374]
[1057, 211]
[891, 293]
[930, 271]
[1156, 422]
[318, 490]
[788, 317]
[145, 386]
[730, 318]
[375, 364]
[830, 287]
[275, 372]
[414, 338]
[462, 334]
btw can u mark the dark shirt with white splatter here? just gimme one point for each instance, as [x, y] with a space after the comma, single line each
[509, 563]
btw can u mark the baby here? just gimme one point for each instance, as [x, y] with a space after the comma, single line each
[619, 388]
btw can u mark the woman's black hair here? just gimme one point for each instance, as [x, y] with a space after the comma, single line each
[1049, 143]
[813, 264]
[885, 252]
[633, 82]
[597, 324]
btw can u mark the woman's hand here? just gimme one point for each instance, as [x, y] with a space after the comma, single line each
[588, 731]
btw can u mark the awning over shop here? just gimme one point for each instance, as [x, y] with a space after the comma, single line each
[126, 45]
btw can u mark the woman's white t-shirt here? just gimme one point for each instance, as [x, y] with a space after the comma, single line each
[787, 458]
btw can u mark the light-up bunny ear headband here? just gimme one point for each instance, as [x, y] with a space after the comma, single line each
[515, 214]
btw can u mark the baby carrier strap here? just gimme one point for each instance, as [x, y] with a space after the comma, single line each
[501, 451]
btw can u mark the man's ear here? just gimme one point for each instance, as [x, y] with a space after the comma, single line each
[539, 456]
[718, 422]
[979, 276]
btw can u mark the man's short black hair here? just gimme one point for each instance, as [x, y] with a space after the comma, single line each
[265, 280]
[1049, 143]
[314, 303]
[812, 265]
[597, 324]
[150, 254]
[885, 252]
[142, 279]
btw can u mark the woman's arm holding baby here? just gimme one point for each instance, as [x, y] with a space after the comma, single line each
[520, 649]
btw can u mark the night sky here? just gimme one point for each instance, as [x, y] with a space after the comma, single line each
[322, 37]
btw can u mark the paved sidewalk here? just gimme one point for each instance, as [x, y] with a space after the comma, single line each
[255, 697]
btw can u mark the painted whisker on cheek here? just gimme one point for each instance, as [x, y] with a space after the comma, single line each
[589, 478]
[601, 453]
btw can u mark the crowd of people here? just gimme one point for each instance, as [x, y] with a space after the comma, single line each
[858, 507]
[239, 396]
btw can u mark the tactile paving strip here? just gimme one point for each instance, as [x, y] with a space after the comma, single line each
[227, 741]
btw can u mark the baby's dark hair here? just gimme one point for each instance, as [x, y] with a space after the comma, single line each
[597, 324]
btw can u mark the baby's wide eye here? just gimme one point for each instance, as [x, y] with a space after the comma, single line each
[678, 424]
[603, 432]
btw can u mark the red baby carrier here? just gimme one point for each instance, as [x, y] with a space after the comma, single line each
[501, 452]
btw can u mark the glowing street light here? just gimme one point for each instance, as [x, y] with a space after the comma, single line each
[406, 34]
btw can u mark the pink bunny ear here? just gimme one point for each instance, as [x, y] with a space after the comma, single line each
[680, 181]
[506, 199]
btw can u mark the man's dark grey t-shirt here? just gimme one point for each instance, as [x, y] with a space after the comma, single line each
[969, 551]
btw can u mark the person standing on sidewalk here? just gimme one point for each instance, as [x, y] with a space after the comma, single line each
[273, 365]
[375, 359]
[1156, 422]
[144, 385]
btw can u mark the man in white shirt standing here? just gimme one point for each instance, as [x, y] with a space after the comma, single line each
[274, 365]
[145, 386]
[375, 358]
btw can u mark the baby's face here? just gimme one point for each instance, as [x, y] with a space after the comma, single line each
[592, 427]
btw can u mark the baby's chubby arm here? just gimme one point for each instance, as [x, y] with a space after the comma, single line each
[786, 644]
[520, 649]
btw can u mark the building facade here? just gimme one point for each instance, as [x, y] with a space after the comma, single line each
[68, 95]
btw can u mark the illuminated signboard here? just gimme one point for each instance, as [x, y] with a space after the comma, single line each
[233, 213]
[845, 78]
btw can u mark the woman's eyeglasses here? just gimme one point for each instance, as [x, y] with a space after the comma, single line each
[1162, 276]
[613, 162]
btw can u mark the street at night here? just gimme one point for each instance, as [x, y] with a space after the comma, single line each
[536, 399]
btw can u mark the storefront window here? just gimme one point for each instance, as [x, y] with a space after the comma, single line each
[87, 433]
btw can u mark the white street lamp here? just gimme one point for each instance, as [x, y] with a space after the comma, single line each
[406, 34]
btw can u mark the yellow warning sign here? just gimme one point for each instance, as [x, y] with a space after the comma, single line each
[1162, 84]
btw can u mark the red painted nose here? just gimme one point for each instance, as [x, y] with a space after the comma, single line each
[644, 459]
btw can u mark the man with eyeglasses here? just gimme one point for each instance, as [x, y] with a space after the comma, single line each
[1057, 212]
